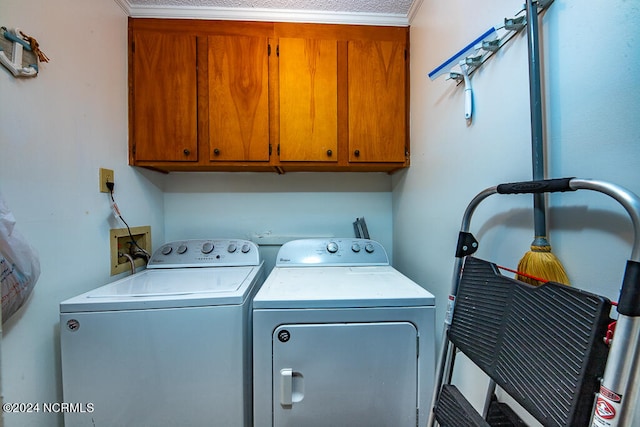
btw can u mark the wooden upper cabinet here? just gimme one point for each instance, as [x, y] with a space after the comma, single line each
[308, 95]
[164, 113]
[238, 98]
[377, 101]
[267, 96]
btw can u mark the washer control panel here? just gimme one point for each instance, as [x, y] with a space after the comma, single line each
[331, 252]
[205, 253]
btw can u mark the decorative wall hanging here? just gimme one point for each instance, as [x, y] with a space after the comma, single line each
[20, 53]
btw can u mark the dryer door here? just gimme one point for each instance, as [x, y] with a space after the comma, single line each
[345, 374]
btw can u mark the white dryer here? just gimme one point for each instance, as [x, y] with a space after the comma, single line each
[169, 346]
[341, 338]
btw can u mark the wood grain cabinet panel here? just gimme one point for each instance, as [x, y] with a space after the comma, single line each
[308, 85]
[238, 98]
[377, 110]
[164, 104]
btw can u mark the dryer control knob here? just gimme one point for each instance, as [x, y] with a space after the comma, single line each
[355, 247]
[369, 248]
[246, 248]
[167, 250]
[182, 249]
[207, 248]
[332, 247]
[232, 248]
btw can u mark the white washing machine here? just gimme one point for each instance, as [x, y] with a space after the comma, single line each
[169, 346]
[341, 338]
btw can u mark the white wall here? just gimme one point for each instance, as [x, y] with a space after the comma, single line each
[56, 130]
[271, 209]
[590, 57]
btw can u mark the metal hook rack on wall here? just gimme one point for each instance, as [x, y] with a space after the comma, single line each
[470, 58]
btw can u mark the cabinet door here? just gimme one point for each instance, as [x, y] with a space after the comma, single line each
[164, 97]
[308, 92]
[377, 94]
[238, 98]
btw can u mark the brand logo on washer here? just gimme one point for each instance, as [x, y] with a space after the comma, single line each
[284, 335]
[73, 325]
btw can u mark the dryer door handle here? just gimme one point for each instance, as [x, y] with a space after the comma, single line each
[286, 387]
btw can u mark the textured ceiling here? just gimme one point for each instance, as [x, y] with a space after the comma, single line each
[356, 6]
[390, 12]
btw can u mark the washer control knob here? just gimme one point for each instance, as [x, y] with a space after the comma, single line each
[167, 250]
[246, 248]
[332, 247]
[232, 248]
[182, 249]
[369, 248]
[355, 247]
[207, 248]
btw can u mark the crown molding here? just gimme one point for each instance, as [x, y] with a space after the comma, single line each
[124, 5]
[413, 10]
[268, 15]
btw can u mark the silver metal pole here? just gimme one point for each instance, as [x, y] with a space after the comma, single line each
[446, 356]
[620, 387]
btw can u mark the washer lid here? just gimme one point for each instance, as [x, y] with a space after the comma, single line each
[340, 287]
[179, 287]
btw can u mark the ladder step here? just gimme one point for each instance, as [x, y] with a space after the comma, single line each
[453, 410]
[501, 415]
[542, 345]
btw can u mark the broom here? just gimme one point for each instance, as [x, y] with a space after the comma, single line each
[539, 261]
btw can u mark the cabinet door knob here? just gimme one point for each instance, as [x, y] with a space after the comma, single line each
[216, 151]
[329, 153]
[186, 151]
[357, 153]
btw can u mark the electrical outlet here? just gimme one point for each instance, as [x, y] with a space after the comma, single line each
[122, 243]
[106, 175]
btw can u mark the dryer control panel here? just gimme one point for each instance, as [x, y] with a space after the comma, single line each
[205, 253]
[331, 252]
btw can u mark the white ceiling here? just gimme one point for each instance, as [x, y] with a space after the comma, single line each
[374, 12]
